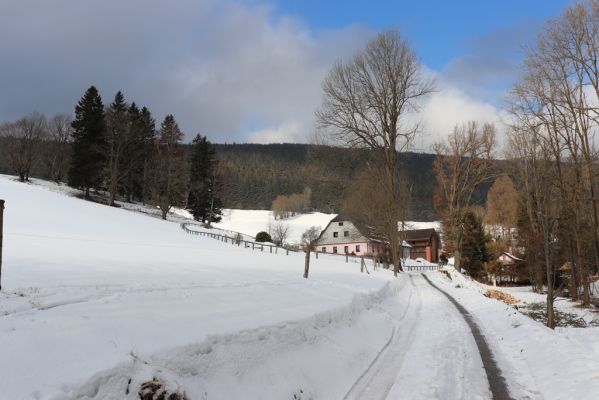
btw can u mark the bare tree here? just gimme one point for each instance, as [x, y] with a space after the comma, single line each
[461, 165]
[367, 204]
[56, 150]
[22, 140]
[309, 238]
[367, 103]
[279, 232]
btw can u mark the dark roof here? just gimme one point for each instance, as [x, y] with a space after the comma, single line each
[340, 218]
[419, 234]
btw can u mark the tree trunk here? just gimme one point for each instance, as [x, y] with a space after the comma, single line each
[307, 263]
[1, 227]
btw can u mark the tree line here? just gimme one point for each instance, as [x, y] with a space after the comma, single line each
[118, 153]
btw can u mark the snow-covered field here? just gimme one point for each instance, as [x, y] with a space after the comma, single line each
[86, 287]
[98, 300]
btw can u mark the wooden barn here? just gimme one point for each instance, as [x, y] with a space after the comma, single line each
[425, 243]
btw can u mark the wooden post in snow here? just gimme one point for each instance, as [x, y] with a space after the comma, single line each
[1, 226]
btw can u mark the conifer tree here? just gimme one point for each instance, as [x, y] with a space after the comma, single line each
[89, 142]
[117, 119]
[168, 175]
[474, 245]
[147, 144]
[132, 155]
[204, 182]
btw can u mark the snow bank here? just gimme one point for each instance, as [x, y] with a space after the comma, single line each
[538, 362]
[315, 356]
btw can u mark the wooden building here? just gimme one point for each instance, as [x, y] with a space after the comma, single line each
[425, 243]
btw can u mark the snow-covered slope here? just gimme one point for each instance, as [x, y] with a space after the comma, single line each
[250, 222]
[86, 287]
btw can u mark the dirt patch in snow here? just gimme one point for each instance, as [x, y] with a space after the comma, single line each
[154, 390]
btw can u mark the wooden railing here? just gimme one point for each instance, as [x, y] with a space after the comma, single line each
[237, 240]
[421, 267]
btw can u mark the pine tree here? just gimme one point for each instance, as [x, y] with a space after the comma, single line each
[474, 245]
[168, 175]
[89, 142]
[117, 121]
[132, 155]
[203, 200]
[147, 142]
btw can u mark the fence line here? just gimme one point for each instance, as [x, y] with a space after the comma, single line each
[238, 240]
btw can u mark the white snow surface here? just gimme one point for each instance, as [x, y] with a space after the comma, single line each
[86, 285]
[538, 363]
[97, 300]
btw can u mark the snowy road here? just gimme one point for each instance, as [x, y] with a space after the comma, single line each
[431, 353]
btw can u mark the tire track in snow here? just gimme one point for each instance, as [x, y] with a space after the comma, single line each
[496, 380]
[378, 378]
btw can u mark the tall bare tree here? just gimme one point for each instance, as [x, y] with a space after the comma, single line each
[367, 103]
[463, 162]
[22, 139]
[56, 150]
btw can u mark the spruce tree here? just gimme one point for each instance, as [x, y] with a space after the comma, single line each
[203, 201]
[474, 245]
[89, 143]
[147, 142]
[168, 173]
[117, 119]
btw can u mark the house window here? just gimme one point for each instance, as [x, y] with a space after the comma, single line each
[334, 249]
[346, 249]
[335, 234]
[346, 233]
[357, 248]
[324, 249]
[340, 223]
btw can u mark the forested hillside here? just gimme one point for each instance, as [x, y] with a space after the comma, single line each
[255, 174]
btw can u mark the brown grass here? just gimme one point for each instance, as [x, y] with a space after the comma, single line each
[501, 296]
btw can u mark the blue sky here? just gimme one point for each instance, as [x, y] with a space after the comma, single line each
[439, 30]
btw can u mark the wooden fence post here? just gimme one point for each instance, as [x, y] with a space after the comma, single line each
[346, 257]
[1, 226]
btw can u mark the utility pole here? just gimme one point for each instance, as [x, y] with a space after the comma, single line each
[1, 221]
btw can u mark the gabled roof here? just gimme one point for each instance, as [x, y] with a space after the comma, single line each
[419, 234]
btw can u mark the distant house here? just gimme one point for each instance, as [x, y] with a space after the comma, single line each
[342, 236]
[509, 268]
[425, 243]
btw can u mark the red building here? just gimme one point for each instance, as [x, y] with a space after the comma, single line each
[425, 244]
